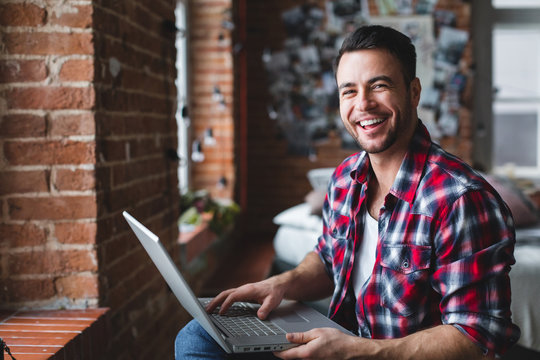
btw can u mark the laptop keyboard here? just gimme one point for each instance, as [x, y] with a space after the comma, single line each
[241, 320]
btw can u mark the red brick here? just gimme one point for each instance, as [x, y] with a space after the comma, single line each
[22, 15]
[51, 262]
[68, 125]
[17, 235]
[20, 182]
[73, 16]
[29, 289]
[45, 43]
[22, 125]
[52, 208]
[126, 172]
[77, 286]
[77, 70]
[51, 98]
[22, 71]
[78, 179]
[49, 152]
[76, 233]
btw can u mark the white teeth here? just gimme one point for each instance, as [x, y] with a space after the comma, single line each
[370, 122]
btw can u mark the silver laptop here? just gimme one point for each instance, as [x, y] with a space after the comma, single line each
[232, 330]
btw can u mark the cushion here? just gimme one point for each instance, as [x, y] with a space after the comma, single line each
[523, 209]
[299, 216]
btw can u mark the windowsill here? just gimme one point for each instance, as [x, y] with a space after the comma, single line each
[55, 334]
[196, 242]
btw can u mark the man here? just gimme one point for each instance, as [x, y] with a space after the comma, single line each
[416, 246]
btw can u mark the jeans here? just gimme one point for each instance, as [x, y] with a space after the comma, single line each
[194, 343]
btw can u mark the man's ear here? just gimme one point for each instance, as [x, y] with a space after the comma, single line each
[415, 88]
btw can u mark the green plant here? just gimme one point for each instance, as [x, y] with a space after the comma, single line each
[195, 203]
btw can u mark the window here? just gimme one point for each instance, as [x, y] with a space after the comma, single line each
[182, 114]
[515, 3]
[516, 103]
[507, 95]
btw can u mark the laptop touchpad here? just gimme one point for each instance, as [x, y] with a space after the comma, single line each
[293, 318]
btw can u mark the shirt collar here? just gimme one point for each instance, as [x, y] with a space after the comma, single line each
[410, 171]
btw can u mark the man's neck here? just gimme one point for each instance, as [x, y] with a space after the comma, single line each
[384, 174]
[385, 169]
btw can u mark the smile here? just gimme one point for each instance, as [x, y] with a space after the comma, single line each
[369, 122]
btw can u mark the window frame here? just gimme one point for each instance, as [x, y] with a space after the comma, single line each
[182, 78]
[484, 18]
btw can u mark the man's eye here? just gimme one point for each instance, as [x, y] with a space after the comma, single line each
[379, 86]
[347, 92]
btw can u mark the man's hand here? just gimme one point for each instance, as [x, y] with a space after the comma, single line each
[325, 343]
[268, 293]
[308, 281]
[443, 342]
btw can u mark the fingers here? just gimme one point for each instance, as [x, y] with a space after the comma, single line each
[227, 298]
[218, 300]
[268, 304]
[298, 352]
[300, 338]
[262, 293]
[231, 298]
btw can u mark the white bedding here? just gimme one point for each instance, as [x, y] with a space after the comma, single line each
[299, 231]
[291, 244]
[525, 282]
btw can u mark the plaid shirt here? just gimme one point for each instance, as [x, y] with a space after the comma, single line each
[446, 242]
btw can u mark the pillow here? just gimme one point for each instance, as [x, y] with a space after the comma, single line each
[315, 200]
[299, 216]
[523, 209]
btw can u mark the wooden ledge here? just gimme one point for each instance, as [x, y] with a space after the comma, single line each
[55, 334]
[195, 242]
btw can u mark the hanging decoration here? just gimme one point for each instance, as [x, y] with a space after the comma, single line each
[196, 151]
[209, 139]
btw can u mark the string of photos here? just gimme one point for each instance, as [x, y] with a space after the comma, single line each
[208, 139]
[304, 98]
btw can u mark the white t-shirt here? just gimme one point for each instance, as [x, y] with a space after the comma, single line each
[365, 257]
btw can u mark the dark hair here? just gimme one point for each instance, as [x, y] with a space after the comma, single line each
[382, 37]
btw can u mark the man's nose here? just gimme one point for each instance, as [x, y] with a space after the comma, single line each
[364, 101]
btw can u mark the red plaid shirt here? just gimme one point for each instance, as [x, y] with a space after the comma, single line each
[446, 242]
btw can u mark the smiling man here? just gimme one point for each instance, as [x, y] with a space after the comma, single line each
[416, 247]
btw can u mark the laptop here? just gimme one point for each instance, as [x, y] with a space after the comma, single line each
[229, 330]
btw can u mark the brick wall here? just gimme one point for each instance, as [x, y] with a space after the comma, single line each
[135, 126]
[276, 179]
[87, 98]
[47, 183]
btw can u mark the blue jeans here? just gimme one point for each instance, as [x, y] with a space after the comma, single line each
[194, 343]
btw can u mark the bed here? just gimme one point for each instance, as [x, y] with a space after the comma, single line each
[300, 227]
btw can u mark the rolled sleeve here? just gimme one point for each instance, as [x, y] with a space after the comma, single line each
[474, 253]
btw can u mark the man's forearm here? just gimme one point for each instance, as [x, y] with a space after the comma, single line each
[308, 281]
[443, 342]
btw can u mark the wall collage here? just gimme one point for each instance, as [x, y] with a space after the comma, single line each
[304, 102]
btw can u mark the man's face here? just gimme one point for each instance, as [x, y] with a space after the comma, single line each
[376, 105]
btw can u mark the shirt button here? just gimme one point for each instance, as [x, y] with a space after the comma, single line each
[405, 264]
